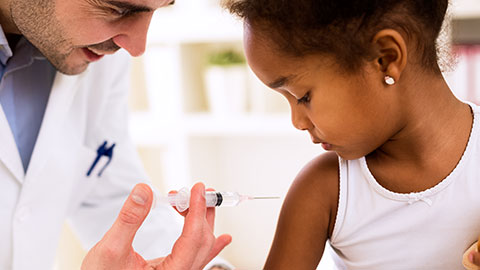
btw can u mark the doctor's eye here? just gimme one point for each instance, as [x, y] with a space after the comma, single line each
[120, 13]
[305, 99]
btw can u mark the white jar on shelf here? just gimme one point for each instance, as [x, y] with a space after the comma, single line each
[226, 89]
[263, 100]
[226, 84]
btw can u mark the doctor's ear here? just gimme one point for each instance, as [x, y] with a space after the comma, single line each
[391, 54]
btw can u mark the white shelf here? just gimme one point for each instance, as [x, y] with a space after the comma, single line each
[243, 125]
[148, 129]
[204, 25]
[465, 9]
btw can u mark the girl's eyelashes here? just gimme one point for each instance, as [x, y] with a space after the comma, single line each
[305, 99]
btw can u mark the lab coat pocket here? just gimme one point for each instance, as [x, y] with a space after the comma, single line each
[83, 184]
[86, 158]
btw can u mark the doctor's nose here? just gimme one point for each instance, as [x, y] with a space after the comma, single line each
[134, 38]
[300, 120]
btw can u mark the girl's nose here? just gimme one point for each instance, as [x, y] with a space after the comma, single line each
[300, 120]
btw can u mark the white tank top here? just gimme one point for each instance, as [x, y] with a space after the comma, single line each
[379, 229]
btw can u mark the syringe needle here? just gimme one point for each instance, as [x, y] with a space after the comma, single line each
[265, 198]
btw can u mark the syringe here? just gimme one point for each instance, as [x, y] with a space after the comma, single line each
[181, 199]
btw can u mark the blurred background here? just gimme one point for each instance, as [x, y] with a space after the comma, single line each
[199, 114]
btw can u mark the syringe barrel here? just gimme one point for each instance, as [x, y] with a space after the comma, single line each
[181, 200]
[223, 198]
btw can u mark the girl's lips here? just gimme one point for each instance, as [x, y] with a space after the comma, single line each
[327, 146]
[91, 56]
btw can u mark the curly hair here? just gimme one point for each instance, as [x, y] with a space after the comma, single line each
[345, 28]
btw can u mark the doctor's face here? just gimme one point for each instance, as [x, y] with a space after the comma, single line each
[74, 33]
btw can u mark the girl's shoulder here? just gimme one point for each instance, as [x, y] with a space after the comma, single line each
[307, 216]
[317, 187]
[320, 169]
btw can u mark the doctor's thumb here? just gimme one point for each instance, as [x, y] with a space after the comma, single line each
[131, 217]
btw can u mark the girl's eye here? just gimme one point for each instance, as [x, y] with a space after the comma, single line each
[305, 99]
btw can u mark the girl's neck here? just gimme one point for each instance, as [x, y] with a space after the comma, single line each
[430, 142]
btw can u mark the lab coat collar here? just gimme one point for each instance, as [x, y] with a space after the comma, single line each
[63, 90]
[9, 154]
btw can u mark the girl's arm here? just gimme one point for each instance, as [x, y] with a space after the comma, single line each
[307, 216]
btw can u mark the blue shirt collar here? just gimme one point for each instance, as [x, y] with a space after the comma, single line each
[5, 50]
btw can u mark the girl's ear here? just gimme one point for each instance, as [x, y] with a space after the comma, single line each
[392, 53]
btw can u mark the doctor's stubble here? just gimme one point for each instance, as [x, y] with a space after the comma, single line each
[37, 21]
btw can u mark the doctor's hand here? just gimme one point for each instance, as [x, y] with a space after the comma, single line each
[471, 257]
[192, 251]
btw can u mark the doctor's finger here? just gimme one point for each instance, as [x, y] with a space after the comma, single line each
[474, 257]
[210, 216]
[184, 213]
[210, 250]
[220, 243]
[197, 211]
[131, 216]
[211, 213]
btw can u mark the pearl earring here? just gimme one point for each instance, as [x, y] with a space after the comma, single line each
[389, 80]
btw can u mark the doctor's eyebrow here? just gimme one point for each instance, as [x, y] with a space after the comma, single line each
[131, 8]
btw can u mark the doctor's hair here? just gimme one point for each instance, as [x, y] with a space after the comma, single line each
[345, 28]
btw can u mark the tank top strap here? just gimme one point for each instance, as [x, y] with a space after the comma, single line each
[342, 197]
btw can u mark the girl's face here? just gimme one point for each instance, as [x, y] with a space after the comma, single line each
[351, 114]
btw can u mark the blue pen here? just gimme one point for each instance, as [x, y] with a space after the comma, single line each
[103, 150]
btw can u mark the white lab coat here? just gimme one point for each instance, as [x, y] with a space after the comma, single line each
[83, 111]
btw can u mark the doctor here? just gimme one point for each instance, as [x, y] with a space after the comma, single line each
[65, 153]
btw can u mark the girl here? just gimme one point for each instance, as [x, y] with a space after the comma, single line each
[398, 187]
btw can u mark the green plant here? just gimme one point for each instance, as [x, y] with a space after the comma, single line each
[226, 58]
